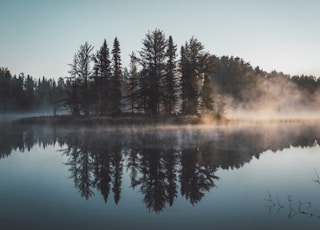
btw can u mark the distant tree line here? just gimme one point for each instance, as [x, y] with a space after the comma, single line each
[25, 94]
[254, 89]
[156, 82]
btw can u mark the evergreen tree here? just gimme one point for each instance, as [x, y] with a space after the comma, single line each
[152, 59]
[171, 84]
[116, 81]
[194, 64]
[102, 78]
[84, 58]
[133, 87]
[184, 77]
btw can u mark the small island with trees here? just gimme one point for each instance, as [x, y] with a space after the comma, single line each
[161, 84]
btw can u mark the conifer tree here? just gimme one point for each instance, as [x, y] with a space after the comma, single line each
[194, 64]
[133, 87]
[102, 78]
[152, 59]
[171, 84]
[116, 81]
[84, 57]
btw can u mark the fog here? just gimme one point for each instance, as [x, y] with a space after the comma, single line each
[12, 116]
[274, 99]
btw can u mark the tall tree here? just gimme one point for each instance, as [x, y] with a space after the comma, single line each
[171, 84]
[116, 81]
[133, 87]
[194, 64]
[82, 70]
[102, 77]
[152, 59]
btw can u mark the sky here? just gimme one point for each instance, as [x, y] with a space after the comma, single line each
[40, 37]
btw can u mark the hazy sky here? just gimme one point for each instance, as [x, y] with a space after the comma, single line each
[40, 37]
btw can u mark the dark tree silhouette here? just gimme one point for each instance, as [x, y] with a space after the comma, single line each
[158, 162]
[133, 84]
[102, 169]
[81, 71]
[116, 80]
[80, 162]
[194, 64]
[170, 81]
[152, 60]
[102, 78]
[117, 164]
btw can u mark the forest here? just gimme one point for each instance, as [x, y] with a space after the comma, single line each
[159, 81]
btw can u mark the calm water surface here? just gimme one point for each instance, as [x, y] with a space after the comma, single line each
[264, 177]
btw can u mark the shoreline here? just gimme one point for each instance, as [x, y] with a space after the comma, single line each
[137, 121]
[116, 121]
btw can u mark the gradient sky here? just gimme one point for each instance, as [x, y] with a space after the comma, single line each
[40, 37]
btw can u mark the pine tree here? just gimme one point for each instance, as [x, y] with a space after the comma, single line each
[171, 84]
[184, 77]
[152, 59]
[133, 87]
[194, 64]
[116, 82]
[102, 78]
[84, 71]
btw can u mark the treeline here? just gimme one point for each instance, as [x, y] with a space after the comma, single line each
[253, 89]
[21, 94]
[160, 80]
[156, 83]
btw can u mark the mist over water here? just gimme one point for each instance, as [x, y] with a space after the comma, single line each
[151, 174]
[271, 100]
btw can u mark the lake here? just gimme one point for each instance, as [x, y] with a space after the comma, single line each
[193, 177]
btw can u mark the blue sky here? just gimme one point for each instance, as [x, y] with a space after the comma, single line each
[40, 37]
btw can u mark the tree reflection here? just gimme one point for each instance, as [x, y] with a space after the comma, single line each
[162, 164]
[81, 163]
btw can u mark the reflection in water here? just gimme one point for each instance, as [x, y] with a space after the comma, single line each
[162, 164]
[317, 179]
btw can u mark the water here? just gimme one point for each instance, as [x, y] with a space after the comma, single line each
[263, 177]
